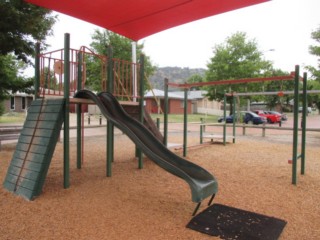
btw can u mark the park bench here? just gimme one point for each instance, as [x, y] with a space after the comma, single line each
[217, 137]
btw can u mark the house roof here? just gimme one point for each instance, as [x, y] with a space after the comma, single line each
[193, 94]
[160, 94]
[175, 95]
[140, 18]
[20, 94]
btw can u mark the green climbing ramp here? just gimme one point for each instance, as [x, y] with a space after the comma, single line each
[31, 159]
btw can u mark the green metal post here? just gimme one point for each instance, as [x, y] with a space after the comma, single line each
[79, 107]
[304, 123]
[110, 132]
[166, 111]
[234, 118]
[141, 103]
[224, 117]
[67, 108]
[37, 71]
[295, 125]
[201, 130]
[185, 122]
[158, 123]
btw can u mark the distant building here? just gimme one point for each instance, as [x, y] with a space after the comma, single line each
[18, 102]
[197, 102]
[155, 102]
[201, 103]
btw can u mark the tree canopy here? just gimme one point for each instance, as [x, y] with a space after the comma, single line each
[21, 26]
[238, 57]
[315, 50]
[314, 84]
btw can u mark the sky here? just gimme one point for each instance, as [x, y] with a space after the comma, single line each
[282, 25]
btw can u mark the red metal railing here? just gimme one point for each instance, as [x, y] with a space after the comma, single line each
[52, 71]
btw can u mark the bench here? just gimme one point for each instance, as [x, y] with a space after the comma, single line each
[9, 133]
[217, 137]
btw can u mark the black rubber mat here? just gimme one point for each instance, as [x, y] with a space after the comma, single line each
[232, 223]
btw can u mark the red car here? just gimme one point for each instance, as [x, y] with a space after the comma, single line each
[271, 118]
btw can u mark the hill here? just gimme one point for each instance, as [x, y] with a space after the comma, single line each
[174, 74]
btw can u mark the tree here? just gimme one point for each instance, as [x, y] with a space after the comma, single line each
[121, 50]
[314, 99]
[237, 58]
[315, 50]
[195, 78]
[21, 26]
[278, 86]
[10, 80]
[315, 72]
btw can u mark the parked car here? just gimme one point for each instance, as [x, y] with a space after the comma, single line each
[283, 115]
[271, 118]
[246, 117]
[229, 119]
[251, 117]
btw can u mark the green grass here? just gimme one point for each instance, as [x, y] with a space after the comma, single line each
[12, 118]
[19, 118]
[178, 118]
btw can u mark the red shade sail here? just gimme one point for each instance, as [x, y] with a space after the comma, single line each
[136, 19]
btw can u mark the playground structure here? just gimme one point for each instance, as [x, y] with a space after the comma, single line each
[30, 163]
[294, 76]
[60, 78]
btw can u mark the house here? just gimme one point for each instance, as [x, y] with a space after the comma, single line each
[197, 102]
[201, 103]
[18, 102]
[155, 102]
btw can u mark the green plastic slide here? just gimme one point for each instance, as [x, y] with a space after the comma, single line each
[201, 182]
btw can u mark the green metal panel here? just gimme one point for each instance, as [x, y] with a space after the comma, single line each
[26, 183]
[31, 159]
[34, 157]
[22, 174]
[35, 140]
[40, 124]
[36, 132]
[33, 166]
[24, 192]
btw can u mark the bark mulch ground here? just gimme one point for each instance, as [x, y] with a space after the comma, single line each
[253, 175]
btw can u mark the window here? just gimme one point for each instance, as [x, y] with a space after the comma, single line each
[12, 103]
[23, 103]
